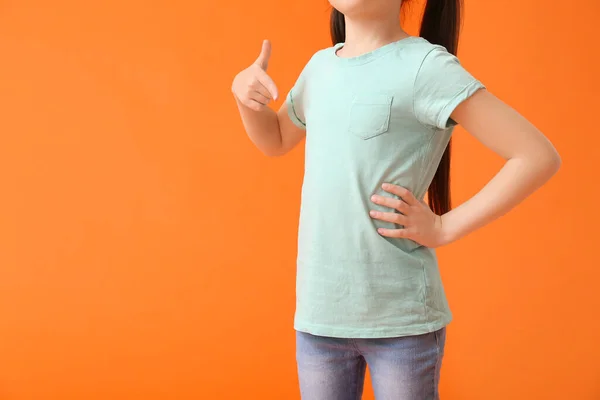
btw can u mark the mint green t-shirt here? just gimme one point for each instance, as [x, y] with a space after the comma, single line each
[383, 116]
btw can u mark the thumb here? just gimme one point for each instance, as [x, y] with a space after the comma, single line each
[263, 59]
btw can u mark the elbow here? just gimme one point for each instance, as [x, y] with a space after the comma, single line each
[554, 162]
[557, 162]
[550, 163]
[544, 163]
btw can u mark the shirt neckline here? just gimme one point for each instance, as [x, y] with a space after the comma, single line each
[370, 55]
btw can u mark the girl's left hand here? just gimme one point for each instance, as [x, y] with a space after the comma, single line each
[420, 223]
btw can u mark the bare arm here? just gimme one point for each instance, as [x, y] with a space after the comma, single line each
[531, 161]
[272, 132]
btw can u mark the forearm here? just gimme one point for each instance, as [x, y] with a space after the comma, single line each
[262, 128]
[518, 178]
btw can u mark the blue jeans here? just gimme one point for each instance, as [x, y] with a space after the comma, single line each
[401, 368]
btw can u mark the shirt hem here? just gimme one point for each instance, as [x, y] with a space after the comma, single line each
[292, 111]
[371, 333]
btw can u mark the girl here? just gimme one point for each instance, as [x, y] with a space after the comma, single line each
[378, 109]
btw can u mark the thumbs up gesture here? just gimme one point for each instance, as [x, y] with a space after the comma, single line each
[252, 86]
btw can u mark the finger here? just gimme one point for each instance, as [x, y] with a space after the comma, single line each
[268, 83]
[404, 193]
[394, 233]
[259, 98]
[258, 87]
[389, 217]
[391, 202]
[254, 105]
[265, 54]
[403, 207]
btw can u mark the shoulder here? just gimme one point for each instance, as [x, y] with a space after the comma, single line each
[316, 61]
[412, 54]
[435, 60]
[322, 54]
[420, 49]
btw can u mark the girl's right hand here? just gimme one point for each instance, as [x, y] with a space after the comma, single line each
[253, 87]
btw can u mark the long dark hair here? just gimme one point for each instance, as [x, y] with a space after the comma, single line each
[440, 25]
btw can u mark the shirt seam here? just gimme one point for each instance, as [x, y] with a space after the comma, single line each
[451, 101]
[294, 108]
[414, 97]
[426, 163]
[367, 61]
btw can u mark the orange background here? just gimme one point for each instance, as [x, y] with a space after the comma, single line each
[147, 249]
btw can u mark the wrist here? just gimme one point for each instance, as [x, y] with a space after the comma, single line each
[448, 231]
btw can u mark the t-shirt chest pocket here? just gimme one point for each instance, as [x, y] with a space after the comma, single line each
[369, 114]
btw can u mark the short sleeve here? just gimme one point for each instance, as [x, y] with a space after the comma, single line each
[296, 99]
[441, 85]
